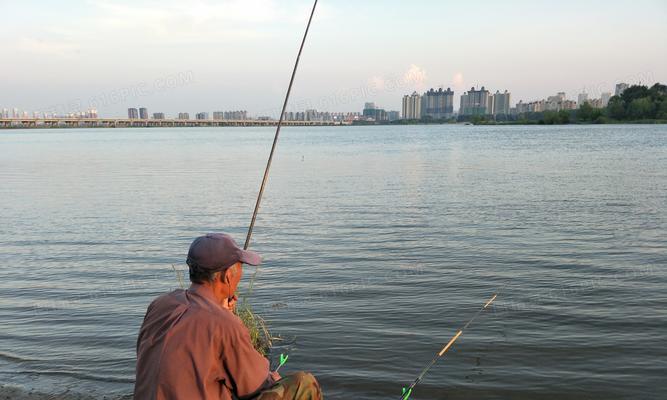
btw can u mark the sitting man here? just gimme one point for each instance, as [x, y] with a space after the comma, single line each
[191, 346]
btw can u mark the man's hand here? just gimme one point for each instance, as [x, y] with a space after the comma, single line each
[230, 303]
[275, 376]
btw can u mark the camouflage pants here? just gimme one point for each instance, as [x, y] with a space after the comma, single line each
[298, 386]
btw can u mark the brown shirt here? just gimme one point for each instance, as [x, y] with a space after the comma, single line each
[189, 347]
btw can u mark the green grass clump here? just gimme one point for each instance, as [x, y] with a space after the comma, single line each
[259, 332]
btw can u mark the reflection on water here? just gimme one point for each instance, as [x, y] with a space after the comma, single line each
[379, 242]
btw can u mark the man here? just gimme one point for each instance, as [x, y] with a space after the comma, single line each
[191, 346]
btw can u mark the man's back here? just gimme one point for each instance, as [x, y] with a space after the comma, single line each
[189, 347]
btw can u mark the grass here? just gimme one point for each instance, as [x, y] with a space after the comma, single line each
[260, 336]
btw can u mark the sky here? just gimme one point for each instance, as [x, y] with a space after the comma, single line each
[210, 55]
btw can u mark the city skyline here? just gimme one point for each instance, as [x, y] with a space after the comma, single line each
[113, 55]
[433, 103]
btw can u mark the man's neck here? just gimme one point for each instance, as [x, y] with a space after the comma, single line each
[219, 291]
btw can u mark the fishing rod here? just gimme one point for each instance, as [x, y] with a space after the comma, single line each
[275, 138]
[408, 391]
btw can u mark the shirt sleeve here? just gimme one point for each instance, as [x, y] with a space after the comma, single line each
[247, 369]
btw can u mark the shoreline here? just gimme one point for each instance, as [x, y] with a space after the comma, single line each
[251, 125]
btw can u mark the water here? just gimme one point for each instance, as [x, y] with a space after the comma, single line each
[379, 242]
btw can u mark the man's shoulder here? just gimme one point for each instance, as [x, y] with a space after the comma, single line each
[172, 298]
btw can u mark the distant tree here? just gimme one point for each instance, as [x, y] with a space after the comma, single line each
[641, 108]
[658, 91]
[563, 117]
[585, 112]
[549, 118]
[616, 108]
[635, 92]
[662, 110]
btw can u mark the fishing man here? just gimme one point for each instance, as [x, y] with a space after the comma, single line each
[191, 346]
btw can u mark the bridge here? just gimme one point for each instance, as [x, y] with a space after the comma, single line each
[6, 123]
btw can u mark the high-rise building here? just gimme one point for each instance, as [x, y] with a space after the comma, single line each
[393, 115]
[218, 115]
[604, 97]
[559, 102]
[620, 88]
[372, 112]
[158, 115]
[501, 103]
[5, 113]
[183, 115]
[235, 115]
[412, 106]
[132, 113]
[476, 102]
[201, 116]
[582, 98]
[311, 115]
[438, 104]
[143, 113]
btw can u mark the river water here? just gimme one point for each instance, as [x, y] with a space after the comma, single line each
[379, 243]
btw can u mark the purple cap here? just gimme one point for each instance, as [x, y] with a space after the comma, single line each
[218, 251]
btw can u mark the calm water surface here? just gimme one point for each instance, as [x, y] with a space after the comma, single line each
[379, 242]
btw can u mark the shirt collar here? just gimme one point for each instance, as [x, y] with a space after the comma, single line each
[204, 292]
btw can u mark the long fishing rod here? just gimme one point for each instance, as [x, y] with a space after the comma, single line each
[275, 138]
[408, 391]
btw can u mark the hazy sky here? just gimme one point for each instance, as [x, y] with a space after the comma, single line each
[205, 55]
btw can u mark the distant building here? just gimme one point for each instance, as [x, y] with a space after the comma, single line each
[158, 115]
[438, 104]
[476, 102]
[393, 115]
[595, 103]
[501, 103]
[559, 102]
[620, 88]
[235, 115]
[582, 98]
[311, 115]
[412, 106]
[132, 113]
[604, 97]
[143, 113]
[218, 115]
[201, 116]
[183, 115]
[534, 106]
[372, 112]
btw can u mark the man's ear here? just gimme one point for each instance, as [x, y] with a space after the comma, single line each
[225, 276]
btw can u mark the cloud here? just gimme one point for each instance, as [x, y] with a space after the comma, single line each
[46, 47]
[415, 77]
[457, 82]
[377, 83]
[192, 21]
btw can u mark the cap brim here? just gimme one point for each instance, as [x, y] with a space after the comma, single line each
[250, 257]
